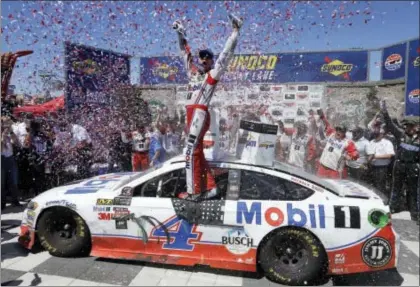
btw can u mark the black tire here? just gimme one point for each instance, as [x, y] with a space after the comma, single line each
[293, 256]
[63, 233]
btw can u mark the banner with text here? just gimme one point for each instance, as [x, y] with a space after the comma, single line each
[91, 73]
[412, 89]
[346, 66]
[393, 62]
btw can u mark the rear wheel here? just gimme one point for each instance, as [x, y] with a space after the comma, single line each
[62, 232]
[294, 257]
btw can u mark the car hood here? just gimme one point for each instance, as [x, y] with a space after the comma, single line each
[94, 185]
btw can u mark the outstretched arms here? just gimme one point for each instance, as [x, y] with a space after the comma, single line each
[185, 49]
[227, 53]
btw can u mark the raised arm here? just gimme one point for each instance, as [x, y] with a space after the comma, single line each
[396, 131]
[228, 51]
[185, 49]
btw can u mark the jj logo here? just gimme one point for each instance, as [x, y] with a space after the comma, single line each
[377, 252]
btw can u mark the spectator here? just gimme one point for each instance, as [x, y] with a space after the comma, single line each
[41, 146]
[380, 152]
[358, 168]
[172, 140]
[337, 149]
[119, 152]
[140, 148]
[80, 147]
[302, 149]
[157, 152]
[233, 128]
[406, 166]
[223, 136]
[9, 167]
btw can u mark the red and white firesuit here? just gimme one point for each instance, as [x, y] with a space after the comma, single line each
[302, 150]
[201, 89]
[332, 161]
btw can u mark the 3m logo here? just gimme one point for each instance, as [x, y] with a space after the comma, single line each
[336, 68]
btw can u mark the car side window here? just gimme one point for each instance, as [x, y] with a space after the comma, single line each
[169, 185]
[260, 186]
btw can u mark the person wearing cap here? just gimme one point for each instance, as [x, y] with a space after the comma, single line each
[407, 163]
[337, 149]
[302, 148]
[357, 168]
[203, 82]
[380, 151]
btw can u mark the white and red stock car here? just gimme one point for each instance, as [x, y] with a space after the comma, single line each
[293, 226]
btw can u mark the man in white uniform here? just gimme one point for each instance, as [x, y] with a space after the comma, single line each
[203, 82]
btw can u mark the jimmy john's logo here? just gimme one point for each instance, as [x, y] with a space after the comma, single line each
[336, 67]
[393, 62]
[413, 96]
[165, 71]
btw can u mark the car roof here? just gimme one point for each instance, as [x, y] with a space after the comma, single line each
[276, 166]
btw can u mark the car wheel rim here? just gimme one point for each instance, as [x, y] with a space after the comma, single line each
[290, 255]
[63, 228]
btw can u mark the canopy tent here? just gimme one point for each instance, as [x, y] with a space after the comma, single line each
[40, 110]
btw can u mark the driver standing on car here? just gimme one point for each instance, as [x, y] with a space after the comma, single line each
[203, 81]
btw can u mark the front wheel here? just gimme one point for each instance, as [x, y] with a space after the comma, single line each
[63, 233]
[293, 256]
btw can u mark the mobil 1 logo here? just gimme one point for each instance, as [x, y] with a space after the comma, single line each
[347, 217]
[376, 252]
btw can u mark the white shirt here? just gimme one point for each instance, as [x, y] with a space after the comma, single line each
[382, 147]
[79, 134]
[62, 139]
[19, 129]
[362, 148]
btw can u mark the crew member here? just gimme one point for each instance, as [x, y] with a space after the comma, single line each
[140, 149]
[357, 168]
[302, 149]
[407, 163]
[203, 81]
[337, 149]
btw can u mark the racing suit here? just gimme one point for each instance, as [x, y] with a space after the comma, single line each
[406, 169]
[332, 161]
[140, 155]
[302, 151]
[201, 89]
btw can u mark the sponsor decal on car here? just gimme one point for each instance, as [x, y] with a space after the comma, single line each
[306, 184]
[340, 258]
[30, 216]
[121, 224]
[127, 191]
[101, 208]
[61, 203]
[122, 200]
[275, 216]
[91, 186]
[393, 62]
[104, 201]
[376, 252]
[237, 241]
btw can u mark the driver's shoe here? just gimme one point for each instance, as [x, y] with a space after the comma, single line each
[236, 22]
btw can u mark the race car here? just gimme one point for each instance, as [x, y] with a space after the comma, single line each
[291, 225]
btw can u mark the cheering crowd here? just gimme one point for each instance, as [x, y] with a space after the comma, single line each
[37, 153]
